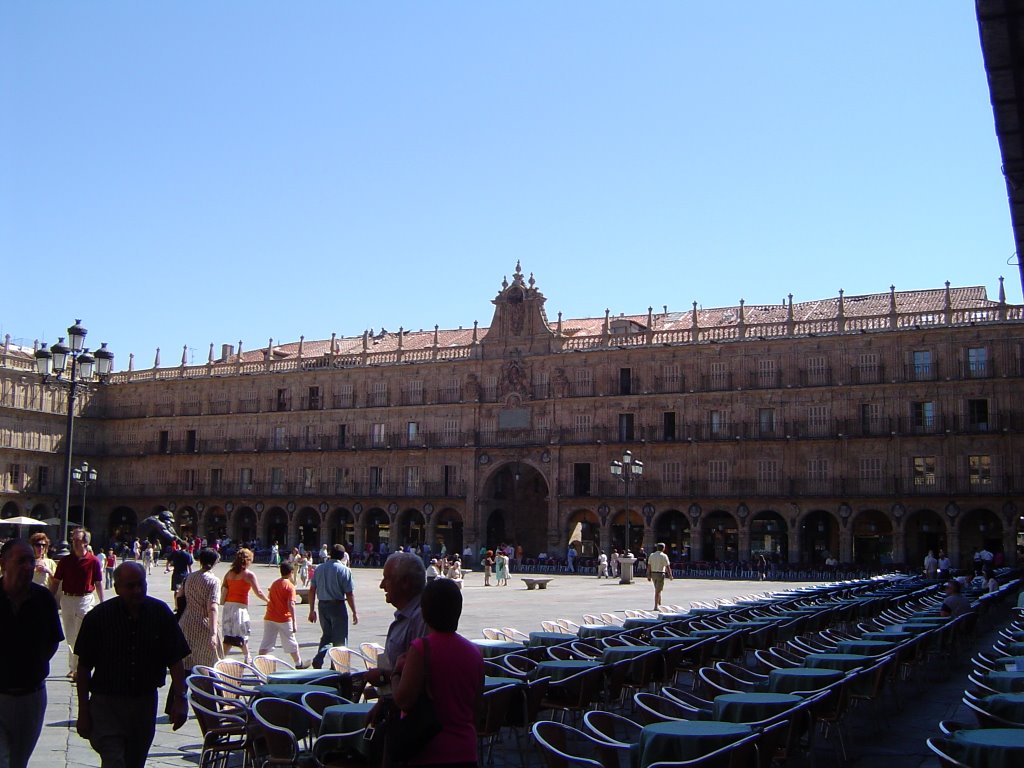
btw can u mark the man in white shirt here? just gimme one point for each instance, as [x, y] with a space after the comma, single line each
[658, 569]
[602, 565]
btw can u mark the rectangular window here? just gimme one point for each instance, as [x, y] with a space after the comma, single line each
[378, 435]
[282, 400]
[871, 418]
[412, 481]
[379, 393]
[817, 475]
[412, 433]
[245, 479]
[343, 397]
[765, 373]
[670, 378]
[922, 369]
[766, 421]
[190, 441]
[871, 473]
[42, 478]
[581, 479]
[450, 431]
[276, 480]
[376, 478]
[582, 424]
[309, 436]
[313, 399]
[923, 415]
[977, 415]
[342, 435]
[163, 441]
[414, 392]
[216, 479]
[977, 362]
[280, 439]
[626, 427]
[339, 479]
[583, 384]
[818, 420]
[625, 381]
[718, 475]
[716, 423]
[308, 479]
[817, 370]
[719, 376]
[450, 479]
[868, 369]
[189, 479]
[672, 473]
[980, 469]
[767, 476]
[668, 425]
[14, 477]
[924, 470]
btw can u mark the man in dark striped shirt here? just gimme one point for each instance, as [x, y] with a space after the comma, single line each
[125, 648]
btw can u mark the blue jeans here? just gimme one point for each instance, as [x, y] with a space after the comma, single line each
[333, 628]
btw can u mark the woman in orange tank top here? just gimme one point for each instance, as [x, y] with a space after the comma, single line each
[234, 596]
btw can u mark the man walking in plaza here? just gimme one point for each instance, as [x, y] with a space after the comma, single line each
[332, 583]
[78, 582]
[658, 569]
[126, 647]
[29, 638]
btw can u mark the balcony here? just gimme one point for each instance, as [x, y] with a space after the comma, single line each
[815, 377]
[867, 374]
[921, 371]
[449, 395]
[716, 382]
[764, 379]
[343, 400]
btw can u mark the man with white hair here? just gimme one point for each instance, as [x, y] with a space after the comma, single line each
[78, 582]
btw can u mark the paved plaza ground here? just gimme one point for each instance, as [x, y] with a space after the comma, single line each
[569, 596]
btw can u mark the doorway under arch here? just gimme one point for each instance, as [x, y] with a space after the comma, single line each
[121, 527]
[979, 528]
[819, 537]
[924, 531]
[244, 524]
[340, 527]
[377, 529]
[412, 529]
[276, 527]
[872, 539]
[448, 532]
[308, 529]
[672, 528]
[769, 536]
[520, 492]
[585, 531]
[720, 537]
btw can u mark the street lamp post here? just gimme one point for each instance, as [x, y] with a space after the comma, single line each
[72, 365]
[83, 475]
[626, 471]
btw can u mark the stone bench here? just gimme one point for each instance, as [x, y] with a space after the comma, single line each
[538, 583]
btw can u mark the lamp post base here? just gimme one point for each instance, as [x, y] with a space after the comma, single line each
[626, 570]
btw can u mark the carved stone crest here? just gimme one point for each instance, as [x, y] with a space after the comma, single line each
[515, 379]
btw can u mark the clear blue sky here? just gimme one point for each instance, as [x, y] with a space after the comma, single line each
[181, 172]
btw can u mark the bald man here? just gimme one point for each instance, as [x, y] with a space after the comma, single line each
[125, 648]
[29, 636]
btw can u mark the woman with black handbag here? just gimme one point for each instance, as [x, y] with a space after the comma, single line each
[438, 686]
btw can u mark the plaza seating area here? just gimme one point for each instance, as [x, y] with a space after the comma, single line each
[765, 680]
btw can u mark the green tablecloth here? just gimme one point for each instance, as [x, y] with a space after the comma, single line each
[305, 677]
[291, 691]
[866, 647]
[675, 616]
[347, 718]
[686, 740]
[750, 624]
[642, 623]
[560, 669]
[752, 707]
[1014, 649]
[1006, 682]
[913, 628]
[703, 611]
[550, 638]
[494, 648]
[597, 630]
[843, 662]
[935, 621]
[1017, 635]
[620, 652]
[707, 632]
[670, 642]
[1009, 706]
[802, 679]
[490, 683]
[888, 637]
[991, 747]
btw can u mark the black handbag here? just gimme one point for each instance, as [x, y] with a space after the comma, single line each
[409, 735]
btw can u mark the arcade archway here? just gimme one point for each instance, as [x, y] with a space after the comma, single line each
[412, 529]
[979, 528]
[244, 523]
[819, 537]
[520, 492]
[924, 531]
[340, 527]
[276, 528]
[769, 536]
[307, 529]
[377, 528]
[121, 527]
[448, 532]
[672, 528]
[872, 539]
[215, 525]
[585, 531]
[720, 537]
[633, 527]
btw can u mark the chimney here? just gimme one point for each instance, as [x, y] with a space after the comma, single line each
[227, 351]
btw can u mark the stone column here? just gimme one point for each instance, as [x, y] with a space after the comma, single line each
[743, 542]
[358, 532]
[794, 547]
[845, 543]
[899, 543]
[696, 541]
[953, 540]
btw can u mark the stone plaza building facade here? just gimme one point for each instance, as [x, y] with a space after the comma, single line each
[869, 428]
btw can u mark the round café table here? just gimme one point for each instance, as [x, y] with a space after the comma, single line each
[1009, 706]
[865, 647]
[1017, 635]
[490, 683]
[750, 624]
[550, 638]
[680, 740]
[1005, 662]
[1014, 649]
[707, 632]
[802, 679]
[935, 621]
[1005, 682]
[348, 718]
[703, 611]
[752, 707]
[888, 637]
[304, 677]
[493, 648]
[671, 642]
[559, 669]
[291, 691]
[843, 662]
[676, 616]
[598, 631]
[990, 747]
[913, 629]
[642, 623]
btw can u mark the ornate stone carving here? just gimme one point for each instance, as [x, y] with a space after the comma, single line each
[515, 379]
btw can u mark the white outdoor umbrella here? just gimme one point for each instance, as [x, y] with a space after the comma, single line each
[21, 520]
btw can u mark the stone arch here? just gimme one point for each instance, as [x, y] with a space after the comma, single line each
[376, 528]
[618, 530]
[448, 531]
[924, 530]
[819, 537]
[521, 491]
[497, 528]
[672, 528]
[584, 528]
[245, 524]
[186, 522]
[121, 525]
[275, 528]
[411, 528]
[769, 536]
[872, 538]
[10, 509]
[980, 527]
[307, 528]
[340, 527]
[41, 512]
[214, 525]
[720, 536]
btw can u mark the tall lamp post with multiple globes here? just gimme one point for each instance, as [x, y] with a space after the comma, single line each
[72, 365]
[627, 471]
[83, 475]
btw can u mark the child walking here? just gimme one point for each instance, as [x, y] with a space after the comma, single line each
[280, 618]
